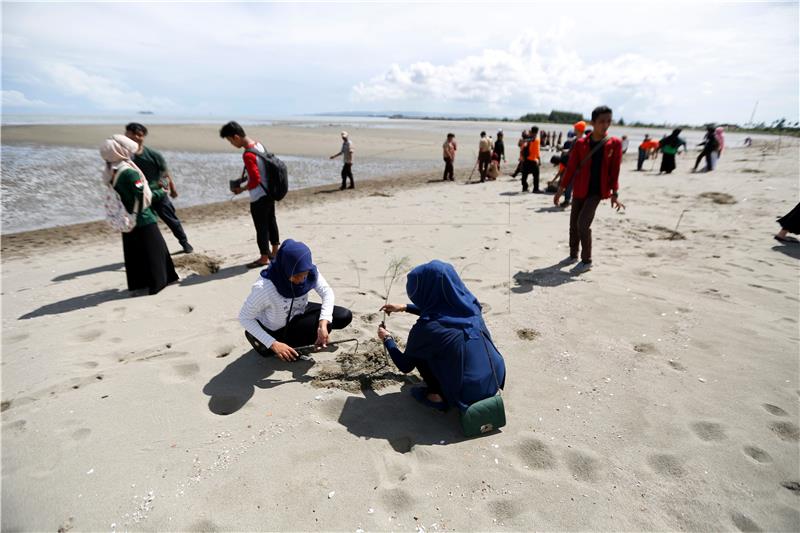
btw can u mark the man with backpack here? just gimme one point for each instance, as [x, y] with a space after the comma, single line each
[593, 166]
[347, 157]
[262, 204]
[154, 167]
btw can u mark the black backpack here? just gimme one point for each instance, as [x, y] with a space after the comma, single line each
[277, 175]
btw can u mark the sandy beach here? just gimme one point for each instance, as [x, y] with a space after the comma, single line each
[657, 392]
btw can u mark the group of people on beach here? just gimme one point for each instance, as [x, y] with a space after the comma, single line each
[669, 146]
[449, 345]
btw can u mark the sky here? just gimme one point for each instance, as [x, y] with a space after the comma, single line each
[652, 61]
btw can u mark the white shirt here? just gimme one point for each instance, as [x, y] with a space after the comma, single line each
[266, 305]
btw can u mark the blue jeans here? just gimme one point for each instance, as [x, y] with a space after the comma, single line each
[642, 157]
[166, 211]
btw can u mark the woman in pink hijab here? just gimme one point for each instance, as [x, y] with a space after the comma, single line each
[719, 134]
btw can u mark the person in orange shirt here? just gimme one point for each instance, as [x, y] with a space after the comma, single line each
[645, 149]
[530, 163]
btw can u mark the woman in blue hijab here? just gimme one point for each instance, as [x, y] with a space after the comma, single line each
[450, 345]
[277, 316]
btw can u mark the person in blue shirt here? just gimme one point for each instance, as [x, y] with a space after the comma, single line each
[450, 345]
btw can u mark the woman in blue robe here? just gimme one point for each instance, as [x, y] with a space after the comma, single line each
[450, 345]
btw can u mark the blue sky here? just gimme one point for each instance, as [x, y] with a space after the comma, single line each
[650, 61]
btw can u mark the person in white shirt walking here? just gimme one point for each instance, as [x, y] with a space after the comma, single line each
[347, 157]
[277, 316]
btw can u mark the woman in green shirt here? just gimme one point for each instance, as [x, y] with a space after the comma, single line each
[669, 147]
[148, 264]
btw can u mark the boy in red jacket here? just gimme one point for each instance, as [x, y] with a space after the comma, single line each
[593, 169]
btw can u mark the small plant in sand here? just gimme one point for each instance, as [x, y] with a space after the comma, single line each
[397, 267]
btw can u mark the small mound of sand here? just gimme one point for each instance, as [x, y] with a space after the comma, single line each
[527, 334]
[368, 367]
[718, 197]
[200, 264]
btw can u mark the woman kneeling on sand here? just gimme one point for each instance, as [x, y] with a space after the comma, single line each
[277, 316]
[148, 264]
[450, 344]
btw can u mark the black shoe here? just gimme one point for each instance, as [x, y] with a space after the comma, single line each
[342, 188]
[525, 190]
[352, 186]
[187, 248]
[537, 191]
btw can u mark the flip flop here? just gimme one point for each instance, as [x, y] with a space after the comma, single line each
[256, 264]
[791, 240]
[421, 395]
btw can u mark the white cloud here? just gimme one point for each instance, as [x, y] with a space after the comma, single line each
[103, 91]
[530, 74]
[18, 99]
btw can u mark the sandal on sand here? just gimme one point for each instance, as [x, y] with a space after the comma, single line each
[421, 395]
[786, 239]
[256, 264]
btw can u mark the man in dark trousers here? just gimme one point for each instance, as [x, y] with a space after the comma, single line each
[347, 156]
[594, 168]
[155, 170]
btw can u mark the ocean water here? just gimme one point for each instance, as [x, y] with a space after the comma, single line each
[47, 186]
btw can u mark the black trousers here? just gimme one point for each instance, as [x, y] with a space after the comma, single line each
[263, 213]
[707, 154]
[347, 172]
[448, 170]
[302, 329]
[166, 211]
[530, 167]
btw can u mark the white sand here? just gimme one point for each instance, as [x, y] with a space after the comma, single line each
[657, 392]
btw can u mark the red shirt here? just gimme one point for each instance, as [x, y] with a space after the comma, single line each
[251, 165]
[609, 170]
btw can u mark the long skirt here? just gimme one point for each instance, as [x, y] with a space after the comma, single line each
[148, 264]
[791, 221]
[667, 163]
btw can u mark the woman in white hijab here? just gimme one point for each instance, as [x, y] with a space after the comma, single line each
[148, 264]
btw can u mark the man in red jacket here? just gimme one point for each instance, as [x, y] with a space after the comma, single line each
[593, 169]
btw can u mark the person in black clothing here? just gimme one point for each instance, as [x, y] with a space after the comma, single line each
[499, 146]
[709, 145]
[790, 223]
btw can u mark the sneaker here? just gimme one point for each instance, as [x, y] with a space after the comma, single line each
[581, 267]
[352, 186]
[563, 204]
[187, 248]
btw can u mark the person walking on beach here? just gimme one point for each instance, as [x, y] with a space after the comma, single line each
[670, 145]
[148, 264]
[624, 144]
[594, 168]
[449, 345]
[500, 147]
[645, 150]
[277, 317]
[154, 166]
[484, 155]
[347, 157]
[521, 145]
[262, 207]
[530, 164]
[790, 223]
[709, 145]
[719, 135]
[449, 156]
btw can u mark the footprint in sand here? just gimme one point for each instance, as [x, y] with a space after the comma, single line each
[90, 335]
[536, 454]
[645, 348]
[774, 410]
[505, 510]
[397, 499]
[224, 351]
[81, 434]
[369, 318]
[204, 526]
[792, 486]
[180, 373]
[13, 339]
[709, 431]
[785, 431]
[743, 523]
[757, 454]
[676, 365]
[667, 465]
[583, 466]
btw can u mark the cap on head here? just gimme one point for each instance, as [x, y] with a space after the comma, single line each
[344, 134]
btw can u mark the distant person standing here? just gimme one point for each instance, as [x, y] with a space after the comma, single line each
[594, 167]
[530, 164]
[578, 129]
[709, 145]
[449, 156]
[644, 147]
[719, 135]
[500, 147]
[521, 145]
[558, 143]
[154, 166]
[262, 207]
[624, 144]
[670, 145]
[484, 155]
[347, 157]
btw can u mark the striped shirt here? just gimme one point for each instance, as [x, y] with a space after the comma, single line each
[266, 305]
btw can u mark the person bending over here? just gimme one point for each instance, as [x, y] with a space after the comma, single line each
[277, 316]
[449, 345]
